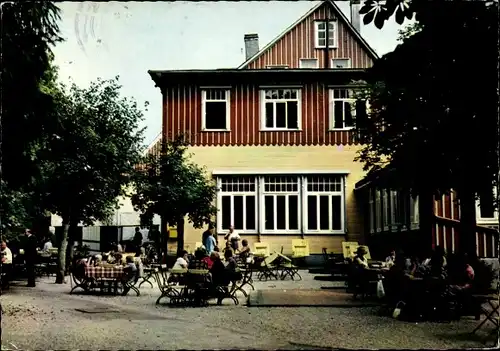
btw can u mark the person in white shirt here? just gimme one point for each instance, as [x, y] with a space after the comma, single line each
[182, 261]
[47, 246]
[233, 237]
[6, 263]
[391, 259]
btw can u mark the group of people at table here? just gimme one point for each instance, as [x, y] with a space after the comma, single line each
[456, 281]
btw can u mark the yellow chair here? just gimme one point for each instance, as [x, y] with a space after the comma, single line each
[300, 248]
[349, 248]
[261, 249]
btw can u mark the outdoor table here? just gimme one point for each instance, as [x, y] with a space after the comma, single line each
[492, 315]
[103, 274]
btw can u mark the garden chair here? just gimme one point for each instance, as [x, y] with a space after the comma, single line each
[261, 249]
[288, 268]
[349, 248]
[268, 268]
[171, 291]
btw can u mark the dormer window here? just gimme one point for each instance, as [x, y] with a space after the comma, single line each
[277, 66]
[341, 63]
[308, 63]
[320, 34]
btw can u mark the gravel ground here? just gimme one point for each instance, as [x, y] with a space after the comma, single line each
[46, 318]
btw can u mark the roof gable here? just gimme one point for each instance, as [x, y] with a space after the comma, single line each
[351, 31]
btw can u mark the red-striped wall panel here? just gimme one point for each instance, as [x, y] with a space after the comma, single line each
[299, 43]
[183, 114]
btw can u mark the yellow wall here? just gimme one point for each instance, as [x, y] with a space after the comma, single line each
[287, 158]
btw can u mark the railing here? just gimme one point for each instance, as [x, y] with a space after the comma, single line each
[447, 235]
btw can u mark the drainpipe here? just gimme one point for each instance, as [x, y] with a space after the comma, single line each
[327, 47]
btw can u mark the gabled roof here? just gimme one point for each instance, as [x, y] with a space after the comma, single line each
[341, 16]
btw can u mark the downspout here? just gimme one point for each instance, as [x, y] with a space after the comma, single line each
[327, 47]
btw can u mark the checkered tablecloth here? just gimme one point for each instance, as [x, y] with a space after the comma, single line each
[104, 272]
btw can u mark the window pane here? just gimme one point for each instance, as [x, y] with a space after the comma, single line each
[322, 35]
[226, 212]
[293, 208]
[322, 42]
[336, 212]
[281, 212]
[361, 114]
[324, 215]
[338, 114]
[215, 115]
[486, 205]
[250, 214]
[280, 115]
[348, 114]
[312, 213]
[238, 212]
[321, 25]
[269, 212]
[269, 115]
[292, 118]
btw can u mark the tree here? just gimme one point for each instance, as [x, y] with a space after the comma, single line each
[171, 186]
[434, 106]
[91, 156]
[28, 30]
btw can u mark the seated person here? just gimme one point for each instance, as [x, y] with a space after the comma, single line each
[244, 251]
[182, 261]
[360, 261]
[390, 260]
[231, 266]
[47, 246]
[199, 261]
[218, 271]
[210, 260]
[130, 271]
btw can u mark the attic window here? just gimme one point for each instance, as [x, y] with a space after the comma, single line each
[308, 63]
[277, 67]
[320, 34]
[341, 63]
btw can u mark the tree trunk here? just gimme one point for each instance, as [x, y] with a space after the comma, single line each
[180, 234]
[467, 198]
[71, 243]
[62, 245]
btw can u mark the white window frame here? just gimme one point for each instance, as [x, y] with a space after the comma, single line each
[486, 220]
[414, 213]
[317, 30]
[378, 211]
[371, 209]
[330, 194]
[232, 194]
[277, 67]
[350, 100]
[204, 100]
[275, 194]
[303, 60]
[386, 206]
[263, 101]
[395, 211]
[349, 62]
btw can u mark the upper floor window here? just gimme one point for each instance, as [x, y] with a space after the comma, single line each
[308, 63]
[215, 109]
[277, 66]
[341, 63]
[344, 108]
[281, 109]
[320, 34]
[485, 206]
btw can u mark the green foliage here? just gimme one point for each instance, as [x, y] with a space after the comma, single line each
[93, 152]
[434, 105]
[171, 186]
[408, 31]
[29, 28]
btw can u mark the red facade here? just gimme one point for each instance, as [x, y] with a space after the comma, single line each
[182, 114]
[298, 43]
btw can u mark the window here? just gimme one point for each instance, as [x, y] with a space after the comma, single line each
[237, 202]
[344, 108]
[281, 109]
[385, 204]
[324, 204]
[414, 220]
[395, 210]
[371, 208]
[308, 63]
[341, 63]
[320, 34]
[215, 109]
[277, 66]
[485, 206]
[281, 204]
[378, 212]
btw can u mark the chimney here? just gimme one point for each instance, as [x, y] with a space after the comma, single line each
[251, 45]
[355, 16]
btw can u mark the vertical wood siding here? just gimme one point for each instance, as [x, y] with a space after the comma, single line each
[299, 43]
[182, 115]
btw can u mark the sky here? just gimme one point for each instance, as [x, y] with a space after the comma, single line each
[106, 39]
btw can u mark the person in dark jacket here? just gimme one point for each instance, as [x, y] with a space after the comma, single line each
[30, 256]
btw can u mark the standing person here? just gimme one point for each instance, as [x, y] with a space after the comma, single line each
[233, 238]
[209, 240]
[6, 263]
[30, 256]
[137, 238]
